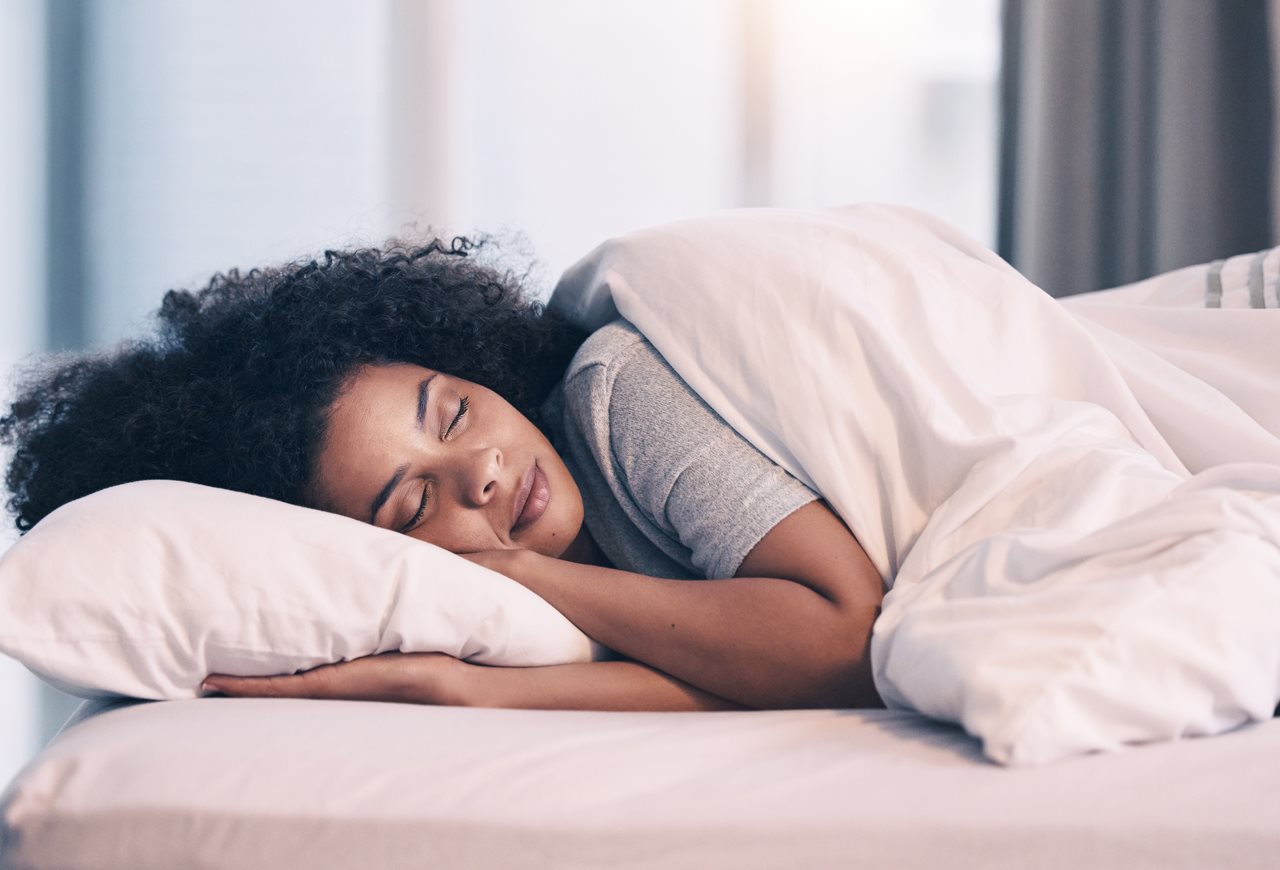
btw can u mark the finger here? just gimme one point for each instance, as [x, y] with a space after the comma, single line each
[284, 686]
[357, 680]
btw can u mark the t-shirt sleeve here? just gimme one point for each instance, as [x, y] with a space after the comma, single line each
[688, 470]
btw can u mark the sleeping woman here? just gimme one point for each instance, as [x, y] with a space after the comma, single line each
[420, 389]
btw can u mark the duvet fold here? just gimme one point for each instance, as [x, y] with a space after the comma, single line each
[1078, 525]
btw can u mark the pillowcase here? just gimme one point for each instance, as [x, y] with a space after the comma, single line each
[144, 589]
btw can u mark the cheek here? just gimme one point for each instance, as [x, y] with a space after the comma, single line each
[461, 533]
[566, 523]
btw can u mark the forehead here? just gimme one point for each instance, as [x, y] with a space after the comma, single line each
[371, 399]
[373, 378]
[374, 389]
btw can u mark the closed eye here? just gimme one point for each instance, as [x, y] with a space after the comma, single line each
[457, 418]
[422, 509]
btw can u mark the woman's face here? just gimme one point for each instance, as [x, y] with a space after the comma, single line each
[446, 461]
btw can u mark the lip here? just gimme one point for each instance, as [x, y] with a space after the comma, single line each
[532, 499]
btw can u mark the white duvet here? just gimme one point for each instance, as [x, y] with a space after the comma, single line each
[1076, 506]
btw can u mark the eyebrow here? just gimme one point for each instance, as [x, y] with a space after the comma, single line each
[424, 393]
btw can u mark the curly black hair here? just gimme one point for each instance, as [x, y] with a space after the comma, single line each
[233, 388]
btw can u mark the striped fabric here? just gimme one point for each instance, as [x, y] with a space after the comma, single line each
[1244, 281]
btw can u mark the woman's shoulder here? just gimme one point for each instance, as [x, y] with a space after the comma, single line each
[607, 350]
[666, 452]
[620, 379]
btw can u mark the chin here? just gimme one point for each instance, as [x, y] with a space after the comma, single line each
[563, 542]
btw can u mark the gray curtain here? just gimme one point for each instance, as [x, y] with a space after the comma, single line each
[1136, 137]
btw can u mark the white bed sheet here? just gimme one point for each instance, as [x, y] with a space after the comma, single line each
[248, 783]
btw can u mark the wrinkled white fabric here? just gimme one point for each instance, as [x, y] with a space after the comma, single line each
[144, 589]
[275, 783]
[1060, 581]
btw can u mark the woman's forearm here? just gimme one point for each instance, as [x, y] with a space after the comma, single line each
[761, 642]
[619, 685]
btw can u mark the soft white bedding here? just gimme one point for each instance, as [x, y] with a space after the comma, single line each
[247, 784]
[144, 589]
[1205, 376]
[225, 783]
[1020, 473]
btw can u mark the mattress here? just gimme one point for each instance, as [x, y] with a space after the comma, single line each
[249, 783]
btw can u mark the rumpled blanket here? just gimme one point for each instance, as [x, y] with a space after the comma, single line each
[1075, 506]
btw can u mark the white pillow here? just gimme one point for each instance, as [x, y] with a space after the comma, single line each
[144, 589]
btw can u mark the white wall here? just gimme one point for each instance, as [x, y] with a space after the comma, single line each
[571, 120]
[888, 101]
[590, 119]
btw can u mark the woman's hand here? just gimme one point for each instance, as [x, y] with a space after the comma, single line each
[410, 678]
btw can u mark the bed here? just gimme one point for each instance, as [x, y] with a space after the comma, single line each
[269, 783]
[219, 782]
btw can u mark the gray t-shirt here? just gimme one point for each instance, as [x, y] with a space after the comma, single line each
[669, 488]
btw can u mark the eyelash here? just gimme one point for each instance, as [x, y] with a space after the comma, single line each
[457, 418]
[463, 406]
[422, 508]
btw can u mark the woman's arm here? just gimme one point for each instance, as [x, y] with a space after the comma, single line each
[618, 685]
[436, 678]
[791, 630]
[759, 641]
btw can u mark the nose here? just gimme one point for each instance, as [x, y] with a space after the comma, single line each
[481, 473]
